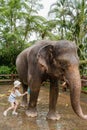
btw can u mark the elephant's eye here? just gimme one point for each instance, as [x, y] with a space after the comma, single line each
[64, 64]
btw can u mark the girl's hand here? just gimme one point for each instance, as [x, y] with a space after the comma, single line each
[26, 92]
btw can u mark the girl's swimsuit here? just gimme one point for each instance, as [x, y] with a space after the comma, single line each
[13, 96]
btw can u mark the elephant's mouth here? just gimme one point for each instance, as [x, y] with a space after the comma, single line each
[57, 75]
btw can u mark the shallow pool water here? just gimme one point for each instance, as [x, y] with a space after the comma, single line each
[69, 120]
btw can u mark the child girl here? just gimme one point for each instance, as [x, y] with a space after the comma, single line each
[12, 98]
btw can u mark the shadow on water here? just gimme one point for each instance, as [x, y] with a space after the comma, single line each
[69, 120]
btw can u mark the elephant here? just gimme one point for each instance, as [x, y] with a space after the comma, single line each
[50, 60]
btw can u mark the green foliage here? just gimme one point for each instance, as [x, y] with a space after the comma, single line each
[84, 88]
[70, 22]
[8, 56]
[83, 67]
[19, 20]
[13, 69]
[5, 70]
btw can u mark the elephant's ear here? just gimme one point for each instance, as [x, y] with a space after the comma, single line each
[45, 56]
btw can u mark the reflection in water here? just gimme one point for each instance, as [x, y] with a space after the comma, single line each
[54, 125]
[40, 124]
[29, 123]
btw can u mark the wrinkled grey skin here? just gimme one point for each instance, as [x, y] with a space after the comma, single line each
[50, 60]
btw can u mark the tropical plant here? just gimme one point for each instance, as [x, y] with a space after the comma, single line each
[59, 12]
[70, 22]
[4, 70]
[19, 19]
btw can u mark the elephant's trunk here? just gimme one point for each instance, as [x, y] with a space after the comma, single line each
[73, 77]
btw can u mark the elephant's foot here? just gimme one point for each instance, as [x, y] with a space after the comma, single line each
[31, 113]
[53, 116]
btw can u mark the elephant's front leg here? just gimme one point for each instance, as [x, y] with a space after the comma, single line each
[24, 99]
[54, 90]
[34, 92]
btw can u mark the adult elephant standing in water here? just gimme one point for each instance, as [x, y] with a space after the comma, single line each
[50, 60]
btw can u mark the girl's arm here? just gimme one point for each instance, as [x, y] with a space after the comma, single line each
[24, 93]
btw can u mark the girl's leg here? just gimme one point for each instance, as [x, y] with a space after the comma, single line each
[12, 107]
[15, 108]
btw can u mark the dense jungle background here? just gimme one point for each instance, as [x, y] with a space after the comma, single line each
[21, 25]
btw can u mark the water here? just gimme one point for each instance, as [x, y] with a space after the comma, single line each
[69, 120]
